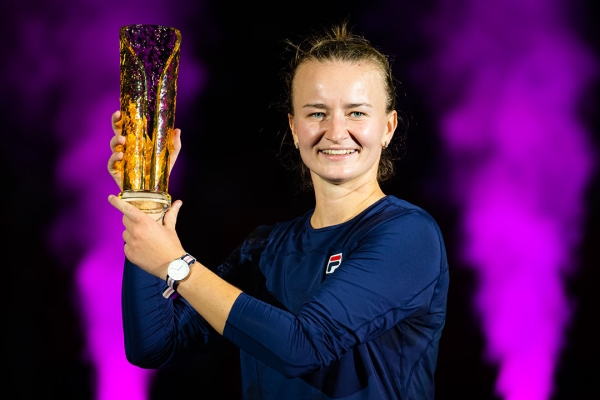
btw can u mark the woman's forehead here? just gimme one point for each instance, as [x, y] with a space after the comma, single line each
[316, 76]
[338, 63]
[334, 70]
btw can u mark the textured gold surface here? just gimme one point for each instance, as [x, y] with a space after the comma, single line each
[148, 100]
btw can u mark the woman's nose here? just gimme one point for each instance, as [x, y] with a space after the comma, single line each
[336, 130]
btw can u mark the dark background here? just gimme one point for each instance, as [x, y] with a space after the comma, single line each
[233, 181]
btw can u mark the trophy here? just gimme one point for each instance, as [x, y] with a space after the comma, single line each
[149, 68]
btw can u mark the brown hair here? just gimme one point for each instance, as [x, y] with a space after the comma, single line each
[339, 43]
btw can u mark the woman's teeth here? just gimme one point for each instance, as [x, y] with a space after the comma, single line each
[337, 152]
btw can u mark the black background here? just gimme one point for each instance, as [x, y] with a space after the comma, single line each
[234, 181]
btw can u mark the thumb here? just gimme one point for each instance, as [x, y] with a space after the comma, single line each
[170, 218]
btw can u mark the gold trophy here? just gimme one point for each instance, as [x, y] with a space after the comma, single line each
[149, 70]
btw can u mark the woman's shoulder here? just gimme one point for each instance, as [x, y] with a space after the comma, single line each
[264, 232]
[396, 213]
[391, 206]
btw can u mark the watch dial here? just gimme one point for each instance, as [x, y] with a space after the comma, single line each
[178, 269]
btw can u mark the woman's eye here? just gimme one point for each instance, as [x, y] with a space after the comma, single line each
[317, 115]
[356, 114]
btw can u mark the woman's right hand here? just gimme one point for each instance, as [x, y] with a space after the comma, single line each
[115, 162]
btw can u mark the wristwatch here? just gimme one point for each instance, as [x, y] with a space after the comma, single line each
[178, 270]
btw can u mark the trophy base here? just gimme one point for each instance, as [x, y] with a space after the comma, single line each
[154, 204]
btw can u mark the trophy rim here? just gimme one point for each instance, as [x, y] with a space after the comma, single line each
[125, 27]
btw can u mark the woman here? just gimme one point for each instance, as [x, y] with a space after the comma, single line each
[346, 301]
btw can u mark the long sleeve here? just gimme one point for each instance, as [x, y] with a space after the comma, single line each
[397, 272]
[161, 331]
[154, 327]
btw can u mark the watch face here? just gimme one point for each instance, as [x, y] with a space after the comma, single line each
[178, 269]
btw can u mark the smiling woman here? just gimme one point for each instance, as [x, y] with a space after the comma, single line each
[340, 126]
[347, 300]
[322, 51]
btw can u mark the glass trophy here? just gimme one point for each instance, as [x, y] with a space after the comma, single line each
[149, 69]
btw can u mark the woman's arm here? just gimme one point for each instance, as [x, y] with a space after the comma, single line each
[399, 271]
[159, 331]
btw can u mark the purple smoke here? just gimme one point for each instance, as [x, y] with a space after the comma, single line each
[520, 161]
[78, 53]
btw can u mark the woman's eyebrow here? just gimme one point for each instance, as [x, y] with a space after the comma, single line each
[354, 105]
[350, 105]
[314, 105]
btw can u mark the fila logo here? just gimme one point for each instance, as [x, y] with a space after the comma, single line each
[334, 262]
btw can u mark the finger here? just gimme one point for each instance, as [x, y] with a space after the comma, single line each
[115, 117]
[170, 218]
[116, 122]
[177, 140]
[174, 151]
[131, 212]
[114, 158]
[117, 156]
[117, 142]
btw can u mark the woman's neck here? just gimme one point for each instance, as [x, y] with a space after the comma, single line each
[335, 204]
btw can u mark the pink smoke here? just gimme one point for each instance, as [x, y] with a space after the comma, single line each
[521, 162]
[76, 54]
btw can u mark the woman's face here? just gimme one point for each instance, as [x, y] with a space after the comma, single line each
[340, 123]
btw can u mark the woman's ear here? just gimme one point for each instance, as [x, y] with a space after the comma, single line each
[292, 129]
[391, 125]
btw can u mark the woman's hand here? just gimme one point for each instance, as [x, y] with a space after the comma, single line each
[148, 244]
[115, 162]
